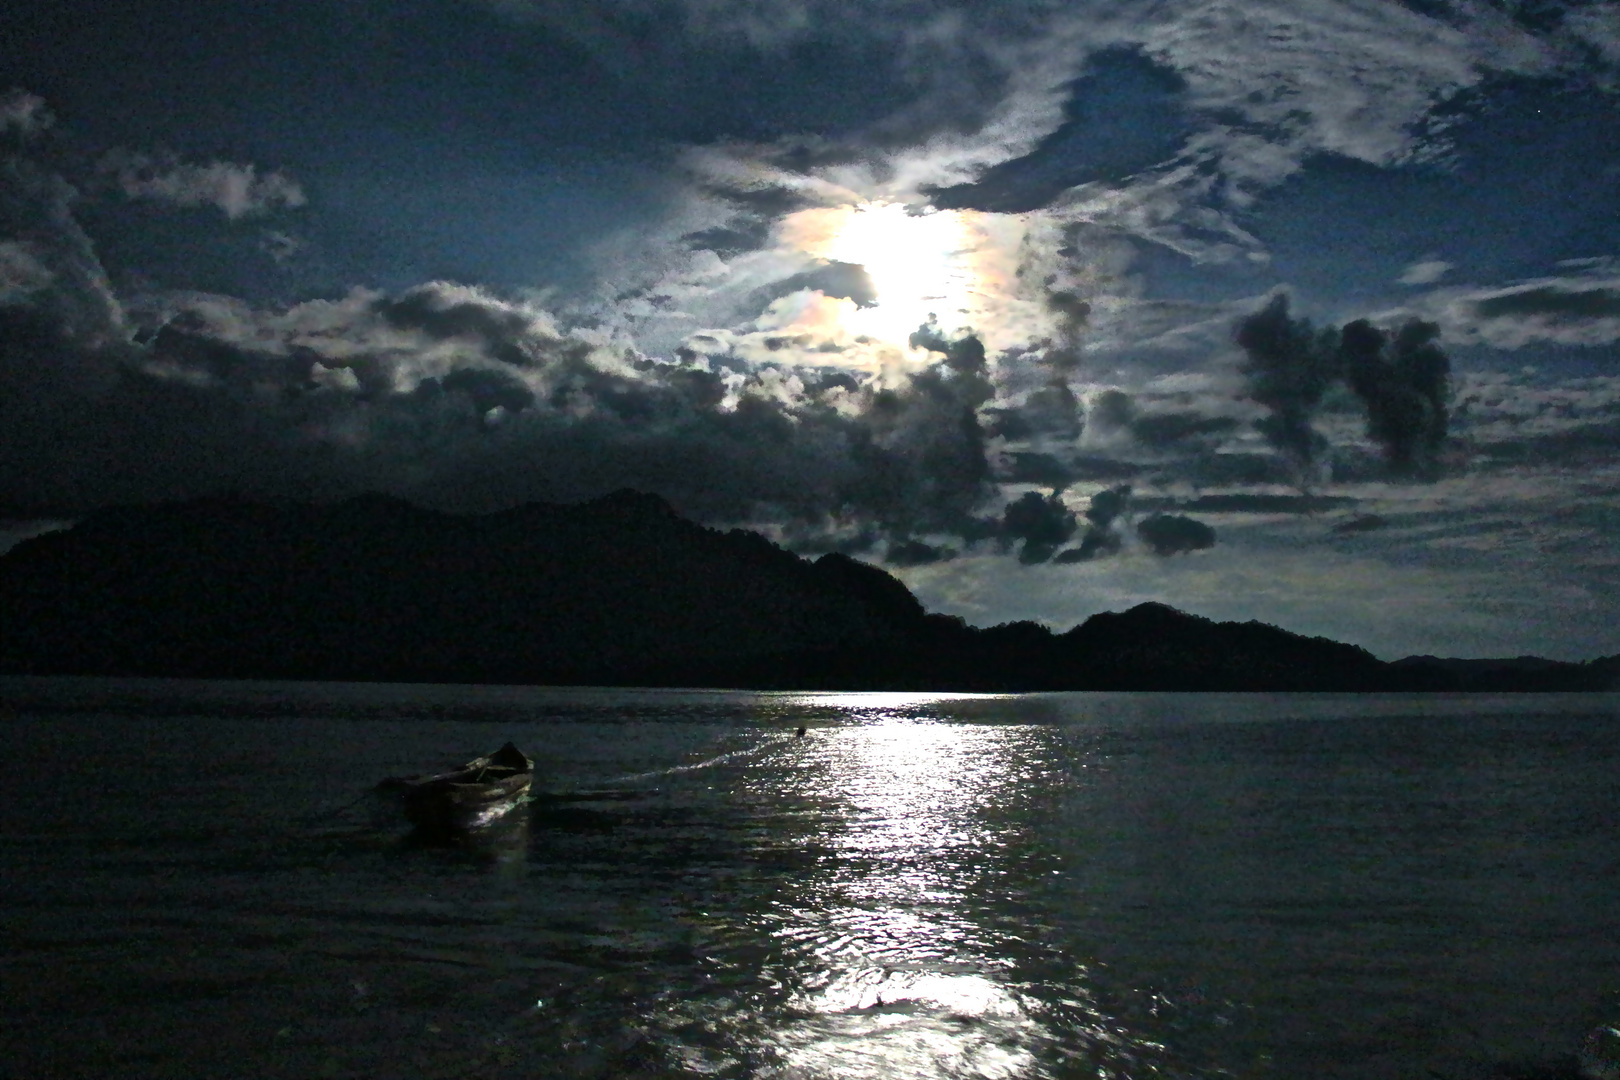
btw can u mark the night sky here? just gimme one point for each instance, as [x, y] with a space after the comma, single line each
[1304, 311]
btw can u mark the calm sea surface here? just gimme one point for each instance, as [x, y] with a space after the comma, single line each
[195, 880]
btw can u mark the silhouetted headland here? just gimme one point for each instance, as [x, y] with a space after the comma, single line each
[616, 592]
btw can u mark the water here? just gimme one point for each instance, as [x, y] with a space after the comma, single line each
[197, 883]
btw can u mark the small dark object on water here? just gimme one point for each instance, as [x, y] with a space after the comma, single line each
[473, 795]
[800, 733]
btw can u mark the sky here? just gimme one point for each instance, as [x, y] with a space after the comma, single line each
[1305, 311]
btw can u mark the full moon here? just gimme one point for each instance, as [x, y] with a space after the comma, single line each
[919, 264]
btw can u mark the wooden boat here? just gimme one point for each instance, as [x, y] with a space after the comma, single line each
[476, 794]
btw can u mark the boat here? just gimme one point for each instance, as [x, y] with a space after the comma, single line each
[476, 794]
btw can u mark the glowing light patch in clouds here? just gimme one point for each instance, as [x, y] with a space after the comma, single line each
[920, 264]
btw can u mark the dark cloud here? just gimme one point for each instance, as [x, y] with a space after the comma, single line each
[916, 553]
[1074, 311]
[1029, 467]
[1587, 444]
[1359, 524]
[1072, 315]
[485, 388]
[752, 207]
[1101, 537]
[1237, 469]
[1043, 524]
[1171, 534]
[445, 311]
[1403, 379]
[840, 280]
[1090, 467]
[1094, 545]
[1008, 423]
[1053, 410]
[1290, 366]
[1560, 301]
[1267, 504]
[965, 356]
[1111, 410]
[1108, 505]
[192, 415]
[1161, 430]
[729, 240]
[762, 203]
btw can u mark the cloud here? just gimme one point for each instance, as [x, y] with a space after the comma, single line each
[1172, 428]
[1290, 366]
[1043, 524]
[1513, 420]
[23, 114]
[1351, 78]
[1361, 523]
[1029, 467]
[1275, 83]
[1170, 206]
[1403, 379]
[22, 274]
[1172, 534]
[1598, 27]
[1556, 301]
[953, 87]
[1247, 503]
[282, 247]
[1095, 544]
[1578, 309]
[1424, 272]
[1100, 537]
[916, 553]
[51, 264]
[1106, 506]
[236, 190]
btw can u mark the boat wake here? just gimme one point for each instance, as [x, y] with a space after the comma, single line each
[759, 749]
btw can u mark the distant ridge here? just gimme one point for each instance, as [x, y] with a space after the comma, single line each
[619, 591]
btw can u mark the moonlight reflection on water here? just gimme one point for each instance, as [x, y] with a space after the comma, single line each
[897, 950]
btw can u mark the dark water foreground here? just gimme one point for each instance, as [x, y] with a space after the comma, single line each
[196, 883]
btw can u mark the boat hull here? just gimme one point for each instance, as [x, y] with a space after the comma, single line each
[464, 806]
[478, 793]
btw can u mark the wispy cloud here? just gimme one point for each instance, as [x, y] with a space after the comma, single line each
[23, 114]
[1424, 272]
[235, 190]
[1571, 309]
[22, 274]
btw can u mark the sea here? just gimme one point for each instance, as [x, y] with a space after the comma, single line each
[199, 879]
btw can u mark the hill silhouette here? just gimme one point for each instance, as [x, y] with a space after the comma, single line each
[620, 591]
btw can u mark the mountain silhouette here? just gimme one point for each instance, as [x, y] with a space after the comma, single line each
[619, 591]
